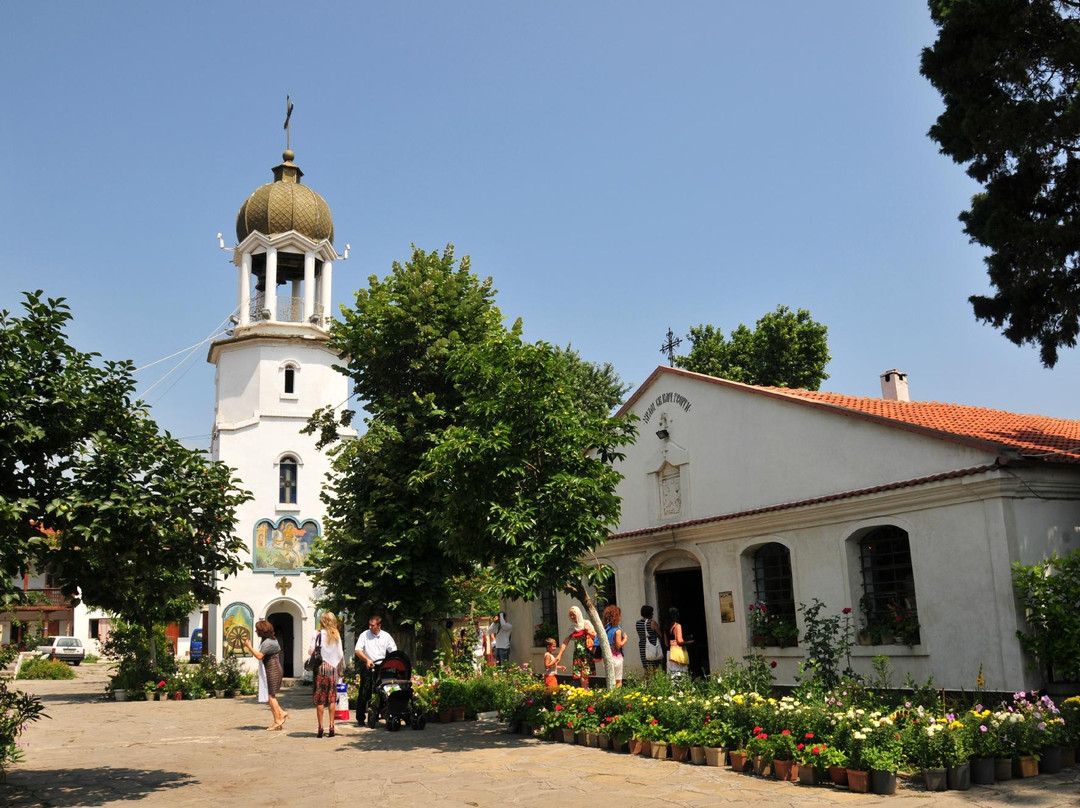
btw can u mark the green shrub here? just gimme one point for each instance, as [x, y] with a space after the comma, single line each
[17, 710]
[1049, 591]
[42, 668]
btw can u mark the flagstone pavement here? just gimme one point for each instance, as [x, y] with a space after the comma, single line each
[92, 752]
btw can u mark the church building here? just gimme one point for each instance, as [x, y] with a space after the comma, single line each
[272, 372]
[908, 513]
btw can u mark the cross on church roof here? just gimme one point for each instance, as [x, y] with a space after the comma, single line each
[284, 584]
[669, 347]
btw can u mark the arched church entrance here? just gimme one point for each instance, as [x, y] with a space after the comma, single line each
[286, 619]
[679, 584]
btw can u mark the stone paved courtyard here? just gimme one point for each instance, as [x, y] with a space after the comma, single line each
[93, 752]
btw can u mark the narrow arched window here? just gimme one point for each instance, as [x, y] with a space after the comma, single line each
[287, 481]
[774, 609]
[888, 604]
[290, 380]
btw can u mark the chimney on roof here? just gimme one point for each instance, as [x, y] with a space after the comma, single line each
[894, 386]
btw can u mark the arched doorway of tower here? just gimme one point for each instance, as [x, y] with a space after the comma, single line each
[679, 583]
[285, 617]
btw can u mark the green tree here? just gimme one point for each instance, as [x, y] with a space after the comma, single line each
[494, 453]
[523, 478]
[1009, 74]
[381, 550]
[785, 349]
[121, 514]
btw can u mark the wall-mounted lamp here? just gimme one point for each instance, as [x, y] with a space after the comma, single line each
[662, 433]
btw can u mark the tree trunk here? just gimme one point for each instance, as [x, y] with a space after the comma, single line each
[581, 592]
[153, 646]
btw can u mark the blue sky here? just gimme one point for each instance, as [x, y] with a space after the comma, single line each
[617, 168]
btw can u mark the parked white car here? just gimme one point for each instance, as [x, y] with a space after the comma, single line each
[66, 649]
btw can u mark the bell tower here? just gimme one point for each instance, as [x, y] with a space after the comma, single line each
[272, 372]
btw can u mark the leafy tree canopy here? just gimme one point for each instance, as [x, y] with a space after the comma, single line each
[1009, 74]
[476, 454]
[785, 349]
[90, 488]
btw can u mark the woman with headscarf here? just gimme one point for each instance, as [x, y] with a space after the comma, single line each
[581, 638]
[333, 657]
[269, 654]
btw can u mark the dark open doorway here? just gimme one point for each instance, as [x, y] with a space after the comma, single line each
[283, 628]
[683, 590]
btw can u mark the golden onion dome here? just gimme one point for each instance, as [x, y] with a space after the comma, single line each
[284, 205]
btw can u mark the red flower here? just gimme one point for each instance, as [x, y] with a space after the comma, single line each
[809, 735]
[757, 730]
[558, 707]
[763, 736]
[801, 747]
[591, 710]
[816, 750]
[772, 664]
[846, 610]
[653, 723]
[751, 607]
[786, 732]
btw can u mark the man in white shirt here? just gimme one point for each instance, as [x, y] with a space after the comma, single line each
[371, 648]
[500, 630]
[374, 644]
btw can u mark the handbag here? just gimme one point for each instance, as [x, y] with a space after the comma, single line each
[314, 662]
[678, 655]
[654, 652]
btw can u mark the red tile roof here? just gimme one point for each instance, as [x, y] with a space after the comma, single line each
[1034, 437]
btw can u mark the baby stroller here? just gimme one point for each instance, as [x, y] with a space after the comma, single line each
[391, 684]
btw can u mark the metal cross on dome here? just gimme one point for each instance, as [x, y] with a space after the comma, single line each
[284, 584]
[669, 347]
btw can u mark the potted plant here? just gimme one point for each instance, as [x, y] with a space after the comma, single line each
[858, 767]
[784, 751]
[957, 755]
[835, 761]
[984, 744]
[760, 750]
[681, 740]
[882, 754]
[927, 741]
[808, 757]
[542, 631]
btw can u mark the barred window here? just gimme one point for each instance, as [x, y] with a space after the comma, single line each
[773, 590]
[548, 611]
[888, 602]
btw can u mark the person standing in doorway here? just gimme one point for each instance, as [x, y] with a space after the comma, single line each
[678, 663]
[500, 630]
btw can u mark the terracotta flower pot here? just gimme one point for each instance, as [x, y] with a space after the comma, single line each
[659, 751]
[808, 774]
[838, 774]
[785, 770]
[760, 765]
[446, 716]
[1025, 766]
[618, 746]
[581, 738]
[714, 755]
[646, 748]
[858, 781]
[567, 735]
[634, 746]
[738, 760]
[679, 752]
[697, 755]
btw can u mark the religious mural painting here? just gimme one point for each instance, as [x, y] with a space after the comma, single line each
[237, 627]
[283, 546]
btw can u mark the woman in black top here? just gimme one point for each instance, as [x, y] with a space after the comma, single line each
[648, 628]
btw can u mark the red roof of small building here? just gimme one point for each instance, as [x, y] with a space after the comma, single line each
[1034, 437]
